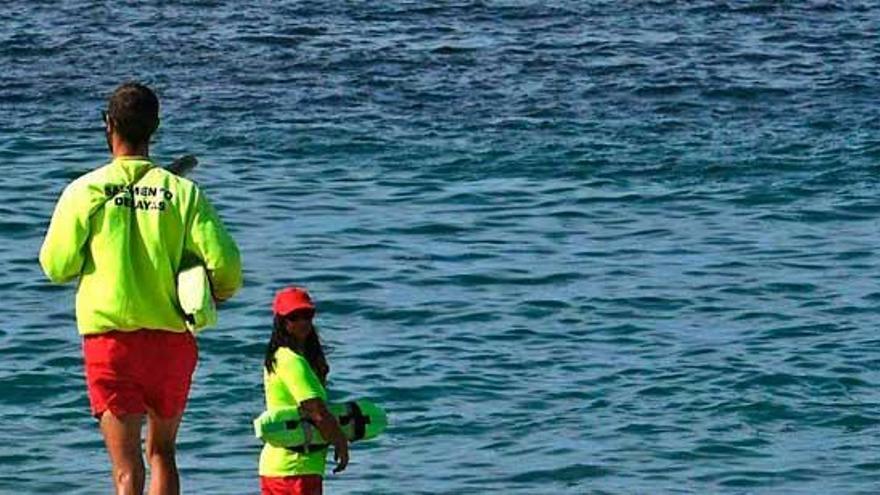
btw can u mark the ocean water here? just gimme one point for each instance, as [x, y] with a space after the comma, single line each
[572, 247]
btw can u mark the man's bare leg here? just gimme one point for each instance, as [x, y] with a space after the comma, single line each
[122, 436]
[161, 454]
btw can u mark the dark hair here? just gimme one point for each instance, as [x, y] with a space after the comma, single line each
[134, 110]
[312, 349]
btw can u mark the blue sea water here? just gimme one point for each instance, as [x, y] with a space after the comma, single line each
[572, 247]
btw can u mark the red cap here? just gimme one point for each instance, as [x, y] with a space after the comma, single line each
[290, 299]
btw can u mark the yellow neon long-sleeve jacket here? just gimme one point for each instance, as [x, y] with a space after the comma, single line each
[124, 229]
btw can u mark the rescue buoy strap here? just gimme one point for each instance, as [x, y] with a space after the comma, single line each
[360, 421]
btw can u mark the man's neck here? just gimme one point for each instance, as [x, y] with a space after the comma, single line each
[121, 148]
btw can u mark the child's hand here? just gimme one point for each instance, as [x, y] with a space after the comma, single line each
[340, 454]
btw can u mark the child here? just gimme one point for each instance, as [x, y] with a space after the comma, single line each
[295, 375]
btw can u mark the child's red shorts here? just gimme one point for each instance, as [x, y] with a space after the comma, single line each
[310, 484]
[128, 372]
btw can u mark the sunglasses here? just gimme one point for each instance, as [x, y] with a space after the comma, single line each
[104, 117]
[300, 316]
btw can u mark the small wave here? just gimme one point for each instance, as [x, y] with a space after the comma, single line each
[571, 473]
[453, 50]
[275, 40]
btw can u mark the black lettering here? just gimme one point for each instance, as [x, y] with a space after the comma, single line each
[112, 189]
[146, 191]
[129, 201]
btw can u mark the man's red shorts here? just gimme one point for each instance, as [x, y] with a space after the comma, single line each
[310, 484]
[129, 372]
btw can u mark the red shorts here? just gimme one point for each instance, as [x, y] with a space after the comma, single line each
[129, 372]
[310, 484]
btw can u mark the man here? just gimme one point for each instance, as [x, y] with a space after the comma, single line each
[125, 229]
